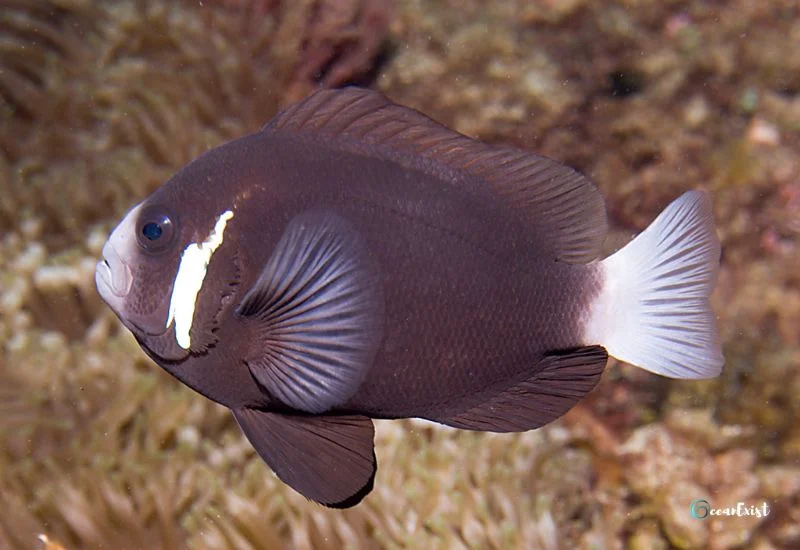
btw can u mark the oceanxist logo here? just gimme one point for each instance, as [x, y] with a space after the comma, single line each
[701, 509]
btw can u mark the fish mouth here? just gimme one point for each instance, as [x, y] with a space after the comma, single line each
[113, 276]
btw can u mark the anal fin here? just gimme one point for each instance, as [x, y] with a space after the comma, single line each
[561, 381]
[328, 459]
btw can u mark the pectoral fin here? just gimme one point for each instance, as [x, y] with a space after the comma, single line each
[328, 459]
[315, 313]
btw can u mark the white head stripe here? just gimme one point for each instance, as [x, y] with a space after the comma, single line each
[189, 280]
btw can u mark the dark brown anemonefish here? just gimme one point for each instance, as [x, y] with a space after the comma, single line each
[356, 260]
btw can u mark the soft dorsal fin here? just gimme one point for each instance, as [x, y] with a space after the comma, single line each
[552, 199]
[328, 459]
[562, 381]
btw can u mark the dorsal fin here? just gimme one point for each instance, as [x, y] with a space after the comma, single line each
[552, 199]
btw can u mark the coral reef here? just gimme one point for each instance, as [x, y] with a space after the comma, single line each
[100, 101]
[103, 100]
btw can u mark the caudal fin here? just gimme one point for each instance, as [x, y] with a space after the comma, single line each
[653, 311]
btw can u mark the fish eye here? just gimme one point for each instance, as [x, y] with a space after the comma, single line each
[152, 231]
[155, 229]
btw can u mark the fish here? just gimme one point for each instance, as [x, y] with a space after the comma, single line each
[355, 260]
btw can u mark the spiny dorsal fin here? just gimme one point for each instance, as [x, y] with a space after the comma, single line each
[552, 199]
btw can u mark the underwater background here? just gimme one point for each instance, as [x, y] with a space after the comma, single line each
[101, 101]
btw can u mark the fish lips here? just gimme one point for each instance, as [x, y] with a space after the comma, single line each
[113, 279]
[112, 275]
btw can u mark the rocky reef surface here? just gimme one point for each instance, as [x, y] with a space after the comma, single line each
[101, 101]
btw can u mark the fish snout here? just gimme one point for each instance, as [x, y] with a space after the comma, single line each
[113, 276]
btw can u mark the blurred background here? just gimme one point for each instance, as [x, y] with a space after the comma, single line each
[100, 101]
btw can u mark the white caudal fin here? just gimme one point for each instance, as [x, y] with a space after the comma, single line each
[653, 311]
